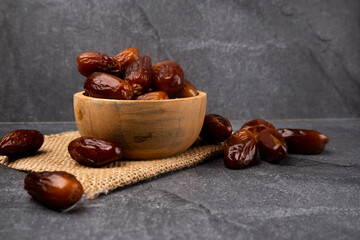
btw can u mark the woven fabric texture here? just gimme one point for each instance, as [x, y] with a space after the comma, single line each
[54, 156]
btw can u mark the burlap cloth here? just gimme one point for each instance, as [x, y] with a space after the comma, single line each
[54, 156]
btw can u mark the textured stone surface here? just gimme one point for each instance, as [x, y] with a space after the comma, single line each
[270, 59]
[304, 197]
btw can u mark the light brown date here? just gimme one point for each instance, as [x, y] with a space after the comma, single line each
[21, 142]
[57, 190]
[90, 62]
[103, 85]
[168, 77]
[271, 145]
[189, 90]
[94, 152]
[126, 57]
[304, 141]
[216, 128]
[240, 150]
[158, 95]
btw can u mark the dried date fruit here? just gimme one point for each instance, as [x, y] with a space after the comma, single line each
[21, 142]
[90, 62]
[103, 85]
[271, 145]
[139, 75]
[216, 128]
[257, 125]
[168, 77]
[158, 95]
[189, 90]
[304, 141]
[240, 150]
[126, 57]
[94, 152]
[57, 190]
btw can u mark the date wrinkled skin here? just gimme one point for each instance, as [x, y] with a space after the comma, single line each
[21, 142]
[257, 125]
[168, 77]
[103, 85]
[57, 190]
[304, 141]
[271, 145]
[126, 57]
[158, 95]
[94, 152]
[240, 150]
[189, 90]
[90, 62]
[139, 75]
[216, 128]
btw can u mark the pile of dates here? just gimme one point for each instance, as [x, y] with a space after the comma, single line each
[127, 76]
[260, 139]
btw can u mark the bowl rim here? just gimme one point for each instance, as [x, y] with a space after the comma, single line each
[81, 95]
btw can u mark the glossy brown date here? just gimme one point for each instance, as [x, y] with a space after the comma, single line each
[103, 85]
[90, 62]
[257, 125]
[216, 128]
[57, 190]
[126, 57]
[168, 77]
[158, 95]
[240, 150]
[139, 75]
[271, 145]
[21, 142]
[304, 141]
[94, 152]
[189, 90]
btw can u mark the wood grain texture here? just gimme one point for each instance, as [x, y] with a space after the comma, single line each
[146, 129]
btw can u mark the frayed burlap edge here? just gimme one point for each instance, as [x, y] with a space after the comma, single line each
[54, 156]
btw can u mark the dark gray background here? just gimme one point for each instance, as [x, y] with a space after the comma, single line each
[270, 59]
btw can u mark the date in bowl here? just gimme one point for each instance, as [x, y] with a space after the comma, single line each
[146, 129]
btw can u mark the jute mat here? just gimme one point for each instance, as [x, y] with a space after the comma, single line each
[54, 156]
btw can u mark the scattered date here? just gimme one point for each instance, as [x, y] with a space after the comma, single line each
[304, 141]
[257, 125]
[21, 142]
[58, 190]
[216, 128]
[271, 145]
[94, 152]
[240, 150]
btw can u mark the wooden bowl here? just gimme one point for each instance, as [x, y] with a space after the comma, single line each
[146, 129]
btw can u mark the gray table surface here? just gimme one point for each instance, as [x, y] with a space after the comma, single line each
[304, 197]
